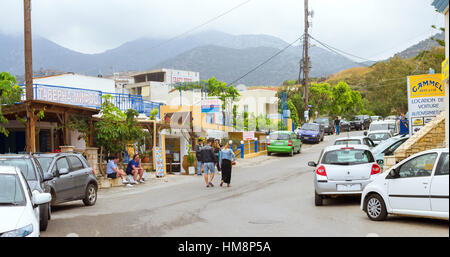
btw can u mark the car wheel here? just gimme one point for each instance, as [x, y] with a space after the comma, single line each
[318, 200]
[90, 195]
[375, 208]
[43, 217]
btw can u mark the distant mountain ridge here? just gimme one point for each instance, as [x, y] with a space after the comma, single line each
[212, 53]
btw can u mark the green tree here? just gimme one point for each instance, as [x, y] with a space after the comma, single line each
[10, 93]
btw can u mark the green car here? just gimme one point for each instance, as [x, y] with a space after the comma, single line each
[284, 142]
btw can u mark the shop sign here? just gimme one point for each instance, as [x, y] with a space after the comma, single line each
[426, 99]
[210, 105]
[248, 135]
[158, 156]
[72, 96]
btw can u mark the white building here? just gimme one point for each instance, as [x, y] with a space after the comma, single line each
[78, 81]
[155, 85]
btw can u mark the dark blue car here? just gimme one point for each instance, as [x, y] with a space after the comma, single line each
[311, 132]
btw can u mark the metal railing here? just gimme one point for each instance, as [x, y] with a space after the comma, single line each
[90, 98]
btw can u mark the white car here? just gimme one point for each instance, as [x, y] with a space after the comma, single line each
[19, 212]
[379, 135]
[343, 170]
[417, 186]
[383, 125]
[356, 140]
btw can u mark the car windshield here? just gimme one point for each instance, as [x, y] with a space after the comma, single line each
[280, 136]
[309, 126]
[24, 165]
[11, 190]
[381, 126]
[379, 136]
[347, 157]
[45, 162]
[357, 118]
[384, 145]
[348, 142]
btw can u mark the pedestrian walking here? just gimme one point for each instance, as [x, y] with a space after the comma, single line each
[198, 149]
[403, 124]
[337, 123]
[208, 158]
[227, 159]
[217, 149]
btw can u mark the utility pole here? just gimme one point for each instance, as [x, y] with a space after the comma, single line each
[28, 51]
[306, 57]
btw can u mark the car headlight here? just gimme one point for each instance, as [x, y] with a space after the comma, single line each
[20, 232]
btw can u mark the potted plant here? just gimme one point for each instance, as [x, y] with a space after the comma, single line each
[191, 162]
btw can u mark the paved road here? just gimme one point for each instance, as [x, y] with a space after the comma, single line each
[270, 196]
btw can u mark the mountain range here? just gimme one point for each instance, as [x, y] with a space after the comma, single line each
[212, 53]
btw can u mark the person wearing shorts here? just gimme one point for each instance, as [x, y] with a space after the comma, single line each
[134, 168]
[208, 158]
[112, 170]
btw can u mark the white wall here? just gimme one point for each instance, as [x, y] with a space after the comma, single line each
[78, 81]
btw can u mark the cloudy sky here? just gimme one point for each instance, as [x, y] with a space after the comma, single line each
[372, 29]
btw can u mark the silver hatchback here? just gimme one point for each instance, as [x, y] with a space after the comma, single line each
[343, 170]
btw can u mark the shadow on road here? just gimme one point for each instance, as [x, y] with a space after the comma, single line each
[67, 206]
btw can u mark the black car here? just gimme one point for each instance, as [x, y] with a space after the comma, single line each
[327, 123]
[360, 122]
[36, 179]
[73, 179]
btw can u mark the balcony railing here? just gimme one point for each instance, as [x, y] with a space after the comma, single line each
[90, 98]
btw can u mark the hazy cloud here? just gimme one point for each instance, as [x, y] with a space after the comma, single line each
[372, 29]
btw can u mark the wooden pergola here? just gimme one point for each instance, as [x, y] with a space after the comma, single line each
[53, 112]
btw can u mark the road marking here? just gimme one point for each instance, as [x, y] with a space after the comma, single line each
[372, 235]
[72, 235]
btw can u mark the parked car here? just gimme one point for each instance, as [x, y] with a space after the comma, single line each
[327, 123]
[383, 125]
[35, 177]
[388, 147]
[376, 118]
[392, 117]
[284, 142]
[73, 179]
[344, 125]
[358, 140]
[311, 132]
[360, 122]
[343, 170]
[379, 135]
[19, 212]
[417, 186]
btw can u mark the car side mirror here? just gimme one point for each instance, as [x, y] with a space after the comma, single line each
[380, 162]
[63, 171]
[312, 164]
[48, 176]
[41, 198]
[365, 133]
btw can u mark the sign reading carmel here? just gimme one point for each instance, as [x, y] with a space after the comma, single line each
[426, 99]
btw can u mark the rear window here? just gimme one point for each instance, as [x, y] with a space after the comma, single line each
[321, 120]
[348, 142]
[379, 127]
[347, 157]
[379, 136]
[75, 163]
[309, 126]
[280, 136]
[24, 165]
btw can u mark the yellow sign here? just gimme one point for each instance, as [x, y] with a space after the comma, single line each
[445, 70]
[428, 85]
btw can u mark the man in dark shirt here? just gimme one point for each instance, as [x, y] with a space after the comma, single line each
[134, 168]
[337, 122]
[198, 149]
[208, 158]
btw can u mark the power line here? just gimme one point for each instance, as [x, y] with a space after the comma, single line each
[197, 27]
[266, 61]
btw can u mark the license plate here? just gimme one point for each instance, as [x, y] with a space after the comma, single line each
[306, 137]
[279, 143]
[349, 187]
